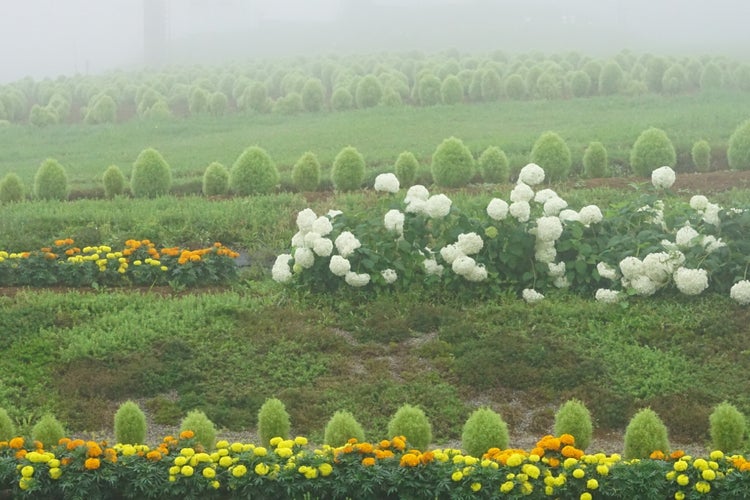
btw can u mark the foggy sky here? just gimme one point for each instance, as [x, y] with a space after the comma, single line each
[47, 38]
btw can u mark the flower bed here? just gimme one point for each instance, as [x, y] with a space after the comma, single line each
[138, 262]
[181, 468]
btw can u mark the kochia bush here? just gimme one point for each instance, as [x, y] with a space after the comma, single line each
[102, 109]
[738, 149]
[412, 423]
[493, 165]
[341, 427]
[273, 421]
[306, 172]
[313, 95]
[452, 164]
[7, 427]
[51, 181]
[348, 169]
[113, 181]
[451, 90]
[215, 180]
[595, 163]
[552, 154]
[254, 172]
[611, 78]
[204, 429]
[652, 149]
[369, 92]
[151, 175]
[429, 90]
[48, 431]
[515, 87]
[727, 428]
[574, 418]
[406, 168]
[11, 189]
[645, 434]
[483, 430]
[130, 424]
[341, 100]
[701, 156]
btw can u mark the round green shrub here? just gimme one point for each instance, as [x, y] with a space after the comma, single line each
[11, 189]
[348, 171]
[290, 104]
[727, 428]
[273, 421]
[130, 424]
[429, 90]
[255, 98]
[738, 149]
[711, 77]
[701, 156]
[341, 427]
[492, 85]
[159, 111]
[49, 431]
[151, 175]
[652, 149]
[306, 172]
[552, 154]
[452, 164]
[595, 161]
[254, 172]
[218, 104]
[412, 423]
[41, 116]
[198, 101]
[515, 87]
[574, 418]
[451, 90]
[215, 180]
[655, 68]
[391, 97]
[369, 92]
[493, 165]
[548, 86]
[645, 434]
[7, 427]
[483, 430]
[102, 109]
[611, 79]
[204, 429]
[114, 181]
[406, 168]
[580, 83]
[674, 80]
[475, 86]
[51, 181]
[341, 100]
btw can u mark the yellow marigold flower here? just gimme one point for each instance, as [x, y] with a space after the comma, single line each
[209, 473]
[569, 463]
[137, 262]
[507, 486]
[531, 470]
[92, 463]
[670, 475]
[27, 471]
[172, 479]
[579, 473]
[716, 455]
[702, 487]
[215, 485]
[713, 465]
[602, 470]
[222, 444]
[164, 268]
[55, 472]
[53, 462]
[275, 440]
[680, 466]
[180, 461]
[549, 491]
[679, 495]
[239, 470]
[223, 451]
[187, 452]
[586, 496]
[284, 452]
[515, 460]
[300, 440]
[260, 451]
[700, 464]
[476, 487]
[174, 470]
[25, 483]
[325, 469]
[683, 480]
[592, 484]
[236, 447]
[187, 470]
[469, 460]
[708, 474]
[457, 476]
[225, 461]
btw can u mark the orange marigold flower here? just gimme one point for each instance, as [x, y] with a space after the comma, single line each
[38, 444]
[538, 451]
[63, 441]
[66, 460]
[364, 448]
[571, 452]
[46, 249]
[91, 464]
[426, 457]
[217, 244]
[94, 449]
[568, 440]
[59, 243]
[384, 444]
[352, 441]
[72, 445]
[347, 448]
[399, 442]
[745, 467]
[657, 455]
[381, 454]
[368, 461]
[677, 454]
[153, 455]
[409, 460]
[195, 258]
[69, 241]
[20, 454]
[553, 462]
[110, 454]
[16, 443]
[187, 434]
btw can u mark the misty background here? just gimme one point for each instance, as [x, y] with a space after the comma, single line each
[47, 38]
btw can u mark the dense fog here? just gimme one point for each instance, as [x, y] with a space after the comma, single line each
[47, 38]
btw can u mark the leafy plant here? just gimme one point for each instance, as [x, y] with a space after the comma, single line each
[341, 99]
[406, 168]
[611, 78]
[48, 431]
[341, 427]
[595, 164]
[645, 434]
[493, 165]
[574, 418]
[102, 109]
[273, 421]
[7, 427]
[452, 164]
[151, 175]
[313, 95]
[652, 149]
[552, 154]
[369, 92]
[199, 423]
[451, 90]
[11, 189]
[306, 172]
[738, 148]
[113, 181]
[130, 424]
[215, 180]
[701, 155]
[254, 172]
[429, 90]
[483, 430]
[580, 83]
[51, 181]
[348, 171]
[727, 428]
[515, 87]
[218, 104]
[411, 422]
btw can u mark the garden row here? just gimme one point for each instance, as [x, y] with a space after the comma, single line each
[322, 84]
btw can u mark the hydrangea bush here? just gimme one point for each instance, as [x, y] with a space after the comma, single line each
[528, 244]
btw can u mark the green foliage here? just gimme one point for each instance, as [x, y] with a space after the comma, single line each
[113, 181]
[429, 90]
[273, 421]
[102, 109]
[51, 181]
[611, 79]
[451, 90]
[483, 430]
[11, 188]
[48, 430]
[7, 427]
[255, 98]
[151, 175]
[701, 155]
[341, 99]
[452, 164]
[595, 162]
[675, 80]
[492, 86]
[201, 425]
[348, 171]
[711, 77]
[645, 434]
[290, 104]
[727, 427]
[574, 418]
[652, 149]
[549, 85]
[130, 424]
[411, 422]
[738, 148]
[313, 95]
[552, 154]
[306, 172]
[493, 165]
[215, 180]
[341, 427]
[580, 83]
[515, 87]
[254, 172]
[198, 101]
[655, 68]
[218, 104]
[369, 92]
[406, 168]
[159, 111]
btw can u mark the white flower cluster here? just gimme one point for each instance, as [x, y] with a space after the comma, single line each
[607, 296]
[740, 292]
[457, 255]
[346, 243]
[281, 272]
[657, 270]
[497, 209]
[387, 183]
[710, 211]
[419, 201]
[691, 281]
[532, 174]
[394, 221]
[389, 275]
[531, 296]
[432, 267]
[309, 241]
[663, 177]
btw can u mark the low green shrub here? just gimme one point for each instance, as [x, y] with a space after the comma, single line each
[273, 421]
[552, 154]
[483, 430]
[406, 168]
[130, 424]
[701, 156]
[11, 189]
[7, 427]
[341, 99]
[48, 431]
[113, 181]
[204, 429]
[645, 434]
[595, 162]
[451, 90]
[738, 148]
[411, 422]
[254, 172]
[215, 180]
[348, 171]
[51, 181]
[727, 428]
[652, 149]
[493, 165]
[452, 164]
[151, 175]
[574, 418]
[306, 172]
[341, 427]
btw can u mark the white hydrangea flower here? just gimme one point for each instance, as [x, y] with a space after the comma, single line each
[590, 214]
[548, 228]
[669, 246]
[334, 213]
[477, 273]
[469, 243]
[305, 220]
[389, 275]
[532, 174]
[387, 183]
[658, 267]
[304, 257]
[561, 282]
[463, 265]
[711, 243]
[322, 226]
[346, 243]
[339, 265]
[310, 239]
[663, 177]
[394, 221]
[568, 215]
[531, 296]
[522, 192]
[298, 240]
[520, 210]
[698, 202]
[711, 214]
[554, 206]
[556, 270]
[323, 247]
[544, 195]
[740, 292]
[685, 236]
[643, 285]
[545, 251]
[497, 209]
[450, 253]
[281, 271]
[357, 279]
[432, 267]
[691, 281]
[416, 193]
[606, 271]
[417, 207]
[631, 267]
[607, 296]
[438, 206]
